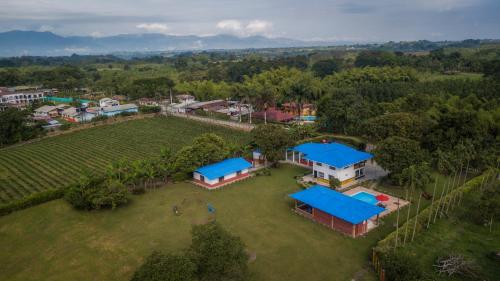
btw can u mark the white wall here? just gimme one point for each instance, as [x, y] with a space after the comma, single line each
[196, 176]
[340, 173]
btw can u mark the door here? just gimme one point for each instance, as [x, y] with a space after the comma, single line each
[202, 178]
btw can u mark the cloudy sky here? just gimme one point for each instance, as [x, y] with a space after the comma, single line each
[352, 20]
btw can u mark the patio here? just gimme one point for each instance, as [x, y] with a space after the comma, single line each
[390, 205]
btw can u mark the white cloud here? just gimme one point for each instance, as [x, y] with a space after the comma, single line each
[230, 25]
[252, 27]
[258, 27]
[153, 27]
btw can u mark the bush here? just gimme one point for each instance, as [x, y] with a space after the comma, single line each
[263, 172]
[218, 254]
[125, 114]
[94, 193]
[31, 200]
[167, 267]
[149, 109]
[65, 127]
[401, 267]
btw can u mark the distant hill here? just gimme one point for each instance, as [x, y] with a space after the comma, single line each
[33, 43]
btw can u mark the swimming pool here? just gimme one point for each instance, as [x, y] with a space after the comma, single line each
[309, 118]
[366, 197]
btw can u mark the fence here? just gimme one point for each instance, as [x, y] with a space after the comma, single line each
[423, 219]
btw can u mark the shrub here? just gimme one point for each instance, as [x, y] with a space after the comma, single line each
[94, 193]
[401, 267]
[65, 127]
[218, 254]
[149, 109]
[166, 267]
[32, 200]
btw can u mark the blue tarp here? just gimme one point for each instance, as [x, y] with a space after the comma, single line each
[333, 154]
[337, 204]
[223, 168]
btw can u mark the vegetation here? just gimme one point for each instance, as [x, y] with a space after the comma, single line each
[218, 254]
[15, 126]
[96, 244]
[56, 162]
[272, 140]
[166, 267]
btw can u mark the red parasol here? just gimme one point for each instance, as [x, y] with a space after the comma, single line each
[382, 197]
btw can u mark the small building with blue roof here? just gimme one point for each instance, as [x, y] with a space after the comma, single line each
[331, 160]
[222, 173]
[336, 210]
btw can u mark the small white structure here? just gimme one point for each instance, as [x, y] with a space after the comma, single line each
[222, 173]
[106, 102]
[46, 111]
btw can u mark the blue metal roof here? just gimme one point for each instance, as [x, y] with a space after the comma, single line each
[333, 154]
[337, 204]
[223, 168]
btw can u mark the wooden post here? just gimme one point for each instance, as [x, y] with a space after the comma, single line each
[408, 218]
[416, 217]
[439, 203]
[432, 203]
[397, 227]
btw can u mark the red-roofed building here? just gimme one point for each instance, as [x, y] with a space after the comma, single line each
[274, 115]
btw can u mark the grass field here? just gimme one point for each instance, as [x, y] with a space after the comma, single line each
[55, 162]
[457, 236]
[54, 242]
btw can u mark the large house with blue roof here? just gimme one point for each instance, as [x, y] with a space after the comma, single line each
[331, 160]
[221, 173]
[336, 210]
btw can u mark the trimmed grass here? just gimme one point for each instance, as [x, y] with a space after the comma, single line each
[57, 161]
[54, 242]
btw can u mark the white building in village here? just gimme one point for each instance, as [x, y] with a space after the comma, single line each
[330, 160]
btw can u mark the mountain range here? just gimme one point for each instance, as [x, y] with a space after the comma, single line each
[34, 43]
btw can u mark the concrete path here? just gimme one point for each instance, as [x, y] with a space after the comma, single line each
[235, 125]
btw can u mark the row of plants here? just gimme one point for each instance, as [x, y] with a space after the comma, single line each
[51, 163]
[135, 177]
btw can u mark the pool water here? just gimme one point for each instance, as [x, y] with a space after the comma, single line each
[308, 118]
[366, 197]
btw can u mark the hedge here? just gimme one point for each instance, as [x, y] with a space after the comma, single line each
[32, 200]
[388, 242]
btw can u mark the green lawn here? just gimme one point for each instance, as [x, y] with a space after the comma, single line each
[57, 161]
[54, 242]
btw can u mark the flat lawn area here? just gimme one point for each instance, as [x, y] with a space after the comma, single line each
[54, 242]
[454, 236]
[55, 162]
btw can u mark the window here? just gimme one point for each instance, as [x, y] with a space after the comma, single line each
[332, 168]
[221, 179]
[321, 175]
[238, 173]
[319, 164]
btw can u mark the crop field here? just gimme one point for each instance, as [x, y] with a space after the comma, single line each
[55, 162]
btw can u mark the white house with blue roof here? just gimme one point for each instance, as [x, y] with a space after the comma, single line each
[331, 160]
[221, 173]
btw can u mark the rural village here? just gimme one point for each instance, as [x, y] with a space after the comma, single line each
[219, 149]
